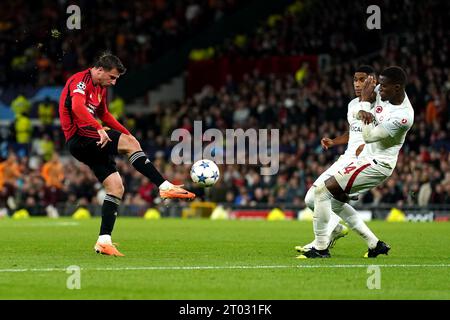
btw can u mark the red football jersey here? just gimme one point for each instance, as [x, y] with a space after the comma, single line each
[94, 97]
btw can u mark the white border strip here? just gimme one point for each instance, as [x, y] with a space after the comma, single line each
[233, 267]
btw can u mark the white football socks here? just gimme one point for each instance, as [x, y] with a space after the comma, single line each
[325, 221]
[334, 222]
[104, 238]
[321, 217]
[165, 185]
[309, 197]
[355, 222]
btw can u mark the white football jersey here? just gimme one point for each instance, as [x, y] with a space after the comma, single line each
[355, 138]
[397, 120]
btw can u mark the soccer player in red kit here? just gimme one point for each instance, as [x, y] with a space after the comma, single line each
[83, 98]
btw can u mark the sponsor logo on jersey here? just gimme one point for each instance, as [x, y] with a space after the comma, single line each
[398, 123]
[378, 109]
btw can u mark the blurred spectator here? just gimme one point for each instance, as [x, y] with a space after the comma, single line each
[438, 195]
[116, 107]
[44, 146]
[23, 129]
[46, 112]
[9, 174]
[20, 105]
[9, 171]
[424, 194]
[147, 190]
[53, 172]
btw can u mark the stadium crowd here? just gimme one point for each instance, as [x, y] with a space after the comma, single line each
[333, 26]
[304, 112]
[43, 51]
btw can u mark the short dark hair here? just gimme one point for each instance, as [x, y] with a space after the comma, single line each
[109, 61]
[395, 74]
[366, 69]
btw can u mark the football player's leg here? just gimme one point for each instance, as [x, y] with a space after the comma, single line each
[114, 192]
[334, 225]
[131, 147]
[335, 229]
[361, 181]
[309, 198]
[309, 202]
[376, 246]
[321, 217]
[339, 231]
[355, 222]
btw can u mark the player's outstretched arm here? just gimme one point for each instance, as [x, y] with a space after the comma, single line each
[328, 143]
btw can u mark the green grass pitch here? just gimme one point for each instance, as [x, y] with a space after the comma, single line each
[175, 259]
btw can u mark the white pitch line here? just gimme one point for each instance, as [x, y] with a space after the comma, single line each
[379, 265]
[149, 268]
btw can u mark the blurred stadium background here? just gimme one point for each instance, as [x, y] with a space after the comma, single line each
[282, 64]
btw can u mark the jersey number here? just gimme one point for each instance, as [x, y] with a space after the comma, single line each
[349, 168]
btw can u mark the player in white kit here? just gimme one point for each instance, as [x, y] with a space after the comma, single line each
[354, 140]
[384, 129]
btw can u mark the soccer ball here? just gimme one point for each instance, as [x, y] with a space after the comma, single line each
[205, 173]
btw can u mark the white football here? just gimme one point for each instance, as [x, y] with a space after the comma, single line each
[205, 173]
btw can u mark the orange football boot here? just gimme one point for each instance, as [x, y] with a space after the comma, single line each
[176, 192]
[107, 249]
